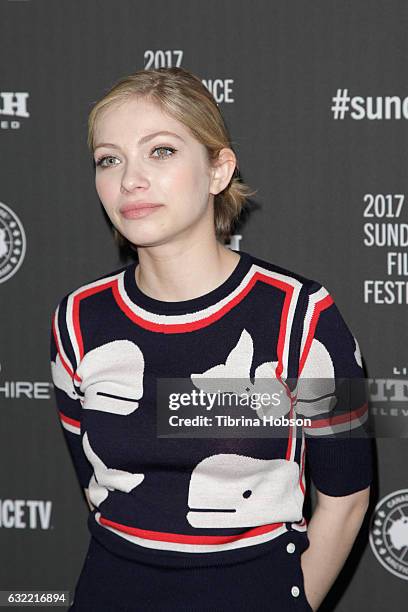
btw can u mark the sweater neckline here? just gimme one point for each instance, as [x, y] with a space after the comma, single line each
[141, 299]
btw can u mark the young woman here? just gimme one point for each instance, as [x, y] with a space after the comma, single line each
[197, 521]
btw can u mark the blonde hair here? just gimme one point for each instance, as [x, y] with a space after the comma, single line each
[182, 95]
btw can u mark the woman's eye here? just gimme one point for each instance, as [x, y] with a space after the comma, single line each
[104, 162]
[100, 162]
[164, 149]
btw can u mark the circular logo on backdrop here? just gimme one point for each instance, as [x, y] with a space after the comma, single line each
[389, 533]
[12, 242]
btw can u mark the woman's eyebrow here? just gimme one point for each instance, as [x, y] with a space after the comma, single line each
[142, 140]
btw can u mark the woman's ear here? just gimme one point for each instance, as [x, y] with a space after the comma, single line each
[222, 170]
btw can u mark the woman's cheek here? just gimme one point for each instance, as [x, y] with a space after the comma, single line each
[165, 182]
[105, 189]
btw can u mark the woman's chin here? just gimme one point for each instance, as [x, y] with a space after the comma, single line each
[145, 238]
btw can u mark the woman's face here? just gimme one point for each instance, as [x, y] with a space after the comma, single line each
[137, 164]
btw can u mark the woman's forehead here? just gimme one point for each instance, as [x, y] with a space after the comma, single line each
[139, 109]
[143, 116]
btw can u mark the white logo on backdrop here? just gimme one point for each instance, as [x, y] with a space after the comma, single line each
[12, 242]
[14, 103]
[25, 514]
[389, 533]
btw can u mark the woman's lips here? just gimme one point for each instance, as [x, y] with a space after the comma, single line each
[140, 211]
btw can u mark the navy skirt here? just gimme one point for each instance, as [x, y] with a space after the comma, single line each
[271, 582]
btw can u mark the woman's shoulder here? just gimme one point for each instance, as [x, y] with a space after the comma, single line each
[91, 286]
[288, 275]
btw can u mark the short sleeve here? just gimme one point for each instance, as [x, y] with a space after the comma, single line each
[332, 392]
[68, 403]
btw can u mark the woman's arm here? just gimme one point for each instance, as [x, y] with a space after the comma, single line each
[91, 507]
[332, 531]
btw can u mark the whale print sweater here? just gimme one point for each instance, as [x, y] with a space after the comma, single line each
[191, 500]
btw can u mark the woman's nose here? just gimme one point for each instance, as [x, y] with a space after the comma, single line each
[133, 177]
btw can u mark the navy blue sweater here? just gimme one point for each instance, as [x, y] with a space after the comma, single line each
[190, 501]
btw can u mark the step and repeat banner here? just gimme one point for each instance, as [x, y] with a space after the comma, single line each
[315, 96]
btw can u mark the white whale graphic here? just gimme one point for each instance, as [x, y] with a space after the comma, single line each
[229, 490]
[357, 353]
[106, 479]
[61, 379]
[316, 384]
[234, 376]
[112, 377]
